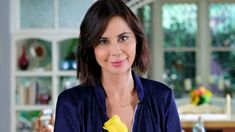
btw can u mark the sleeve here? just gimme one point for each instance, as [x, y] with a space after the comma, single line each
[171, 115]
[66, 119]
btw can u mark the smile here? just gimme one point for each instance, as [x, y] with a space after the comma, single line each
[118, 63]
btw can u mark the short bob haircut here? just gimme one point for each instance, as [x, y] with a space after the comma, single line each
[92, 28]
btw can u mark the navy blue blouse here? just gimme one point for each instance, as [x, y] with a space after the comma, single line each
[83, 109]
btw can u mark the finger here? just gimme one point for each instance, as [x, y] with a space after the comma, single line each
[39, 123]
[51, 122]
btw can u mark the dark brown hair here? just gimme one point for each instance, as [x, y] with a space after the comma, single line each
[91, 29]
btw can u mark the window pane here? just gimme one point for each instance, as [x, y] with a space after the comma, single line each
[37, 13]
[67, 55]
[180, 25]
[223, 70]
[25, 120]
[71, 12]
[37, 52]
[178, 67]
[33, 90]
[222, 24]
[144, 14]
[67, 82]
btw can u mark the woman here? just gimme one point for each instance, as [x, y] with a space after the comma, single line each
[111, 45]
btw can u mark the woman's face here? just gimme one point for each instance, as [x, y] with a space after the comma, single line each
[116, 48]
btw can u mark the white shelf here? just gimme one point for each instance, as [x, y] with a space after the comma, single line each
[47, 34]
[34, 74]
[67, 73]
[33, 107]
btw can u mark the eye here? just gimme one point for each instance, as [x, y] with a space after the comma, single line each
[102, 41]
[123, 38]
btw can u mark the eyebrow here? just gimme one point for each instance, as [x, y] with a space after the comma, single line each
[124, 33]
[119, 35]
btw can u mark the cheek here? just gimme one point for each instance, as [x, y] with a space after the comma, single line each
[96, 54]
[99, 54]
[132, 50]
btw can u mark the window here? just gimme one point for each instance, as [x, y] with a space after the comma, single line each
[222, 28]
[196, 39]
[179, 22]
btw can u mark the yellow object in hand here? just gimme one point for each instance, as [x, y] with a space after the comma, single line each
[114, 124]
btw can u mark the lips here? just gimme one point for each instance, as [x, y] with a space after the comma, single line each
[118, 63]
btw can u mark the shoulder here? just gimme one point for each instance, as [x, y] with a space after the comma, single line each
[158, 92]
[155, 90]
[75, 94]
[155, 86]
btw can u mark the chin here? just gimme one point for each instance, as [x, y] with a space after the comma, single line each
[120, 71]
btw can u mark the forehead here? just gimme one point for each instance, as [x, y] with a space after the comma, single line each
[116, 25]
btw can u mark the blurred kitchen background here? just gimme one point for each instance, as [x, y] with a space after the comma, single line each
[192, 45]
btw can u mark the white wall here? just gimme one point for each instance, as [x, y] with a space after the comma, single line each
[5, 66]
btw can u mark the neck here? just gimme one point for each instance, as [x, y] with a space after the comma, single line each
[118, 84]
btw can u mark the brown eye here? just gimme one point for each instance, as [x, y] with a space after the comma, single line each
[102, 41]
[123, 38]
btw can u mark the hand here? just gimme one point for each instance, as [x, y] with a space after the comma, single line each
[41, 127]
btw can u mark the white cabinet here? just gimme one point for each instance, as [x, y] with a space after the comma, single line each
[41, 69]
[44, 36]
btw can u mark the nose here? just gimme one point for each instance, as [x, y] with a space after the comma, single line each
[116, 50]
